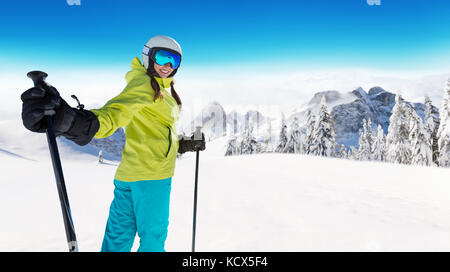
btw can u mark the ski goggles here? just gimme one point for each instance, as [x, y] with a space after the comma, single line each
[163, 57]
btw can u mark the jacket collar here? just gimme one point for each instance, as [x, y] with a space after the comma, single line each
[164, 82]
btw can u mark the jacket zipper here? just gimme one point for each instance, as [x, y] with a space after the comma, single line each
[170, 141]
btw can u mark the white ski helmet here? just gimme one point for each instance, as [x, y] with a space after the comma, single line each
[159, 42]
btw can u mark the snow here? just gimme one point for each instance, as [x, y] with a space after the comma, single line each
[264, 202]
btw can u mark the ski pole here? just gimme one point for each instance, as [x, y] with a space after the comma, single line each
[38, 78]
[197, 135]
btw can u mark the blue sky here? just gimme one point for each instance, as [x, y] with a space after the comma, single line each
[398, 34]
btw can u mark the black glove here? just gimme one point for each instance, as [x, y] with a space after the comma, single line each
[188, 144]
[38, 103]
[77, 125]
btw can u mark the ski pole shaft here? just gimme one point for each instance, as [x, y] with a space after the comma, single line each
[38, 78]
[195, 201]
[197, 135]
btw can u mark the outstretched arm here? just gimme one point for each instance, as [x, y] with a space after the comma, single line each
[119, 111]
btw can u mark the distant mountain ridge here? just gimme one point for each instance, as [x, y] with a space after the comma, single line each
[347, 109]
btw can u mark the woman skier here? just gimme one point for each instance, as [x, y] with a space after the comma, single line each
[149, 114]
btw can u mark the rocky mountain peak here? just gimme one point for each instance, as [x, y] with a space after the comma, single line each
[330, 96]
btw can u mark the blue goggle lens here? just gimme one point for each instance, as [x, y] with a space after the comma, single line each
[163, 56]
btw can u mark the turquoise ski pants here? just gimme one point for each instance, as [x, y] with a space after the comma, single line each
[140, 207]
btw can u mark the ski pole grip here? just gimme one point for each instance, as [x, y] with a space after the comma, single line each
[198, 133]
[38, 77]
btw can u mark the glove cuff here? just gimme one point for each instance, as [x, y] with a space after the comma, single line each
[64, 118]
[85, 125]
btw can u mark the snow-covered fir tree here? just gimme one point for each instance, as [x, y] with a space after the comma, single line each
[303, 146]
[282, 139]
[443, 133]
[420, 140]
[268, 139]
[294, 144]
[248, 144]
[431, 125]
[324, 136]
[444, 151]
[379, 145]
[342, 152]
[352, 153]
[232, 146]
[370, 136]
[365, 142]
[310, 124]
[362, 146]
[397, 139]
[260, 148]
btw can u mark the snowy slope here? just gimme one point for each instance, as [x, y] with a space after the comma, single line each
[267, 202]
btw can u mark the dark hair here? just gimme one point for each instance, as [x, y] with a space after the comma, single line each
[157, 90]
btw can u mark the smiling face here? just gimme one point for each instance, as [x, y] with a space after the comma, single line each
[163, 70]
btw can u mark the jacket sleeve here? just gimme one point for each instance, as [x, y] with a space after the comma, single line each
[119, 111]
